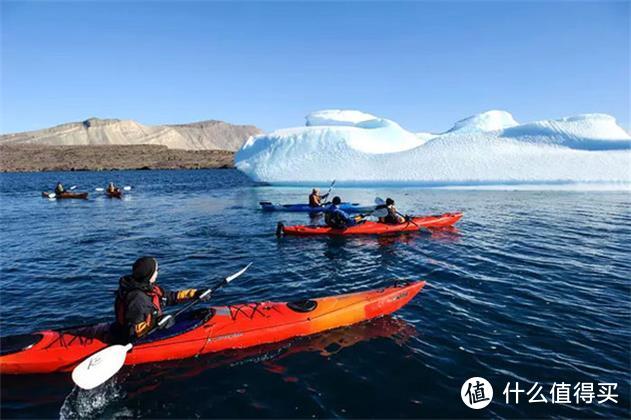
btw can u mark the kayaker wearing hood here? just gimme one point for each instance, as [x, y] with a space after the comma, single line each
[337, 218]
[393, 217]
[139, 300]
[315, 199]
[59, 189]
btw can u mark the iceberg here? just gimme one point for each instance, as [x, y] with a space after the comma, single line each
[490, 148]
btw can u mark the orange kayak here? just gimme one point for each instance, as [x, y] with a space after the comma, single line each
[374, 228]
[204, 330]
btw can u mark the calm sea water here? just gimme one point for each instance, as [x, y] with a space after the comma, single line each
[532, 287]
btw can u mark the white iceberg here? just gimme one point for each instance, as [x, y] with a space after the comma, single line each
[489, 148]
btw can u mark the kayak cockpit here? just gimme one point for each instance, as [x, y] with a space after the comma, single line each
[184, 323]
[17, 343]
[104, 332]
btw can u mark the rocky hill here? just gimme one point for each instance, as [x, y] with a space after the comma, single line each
[32, 158]
[204, 135]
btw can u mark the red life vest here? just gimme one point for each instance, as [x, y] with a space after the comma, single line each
[156, 298]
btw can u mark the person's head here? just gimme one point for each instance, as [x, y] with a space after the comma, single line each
[145, 269]
[111, 184]
[315, 191]
[389, 202]
[58, 182]
[336, 200]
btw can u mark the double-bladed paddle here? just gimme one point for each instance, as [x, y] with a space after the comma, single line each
[104, 364]
[53, 195]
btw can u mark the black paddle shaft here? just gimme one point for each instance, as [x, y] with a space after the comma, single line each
[187, 306]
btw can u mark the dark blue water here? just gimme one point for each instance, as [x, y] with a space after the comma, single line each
[531, 287]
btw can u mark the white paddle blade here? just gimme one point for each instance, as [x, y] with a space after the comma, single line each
[237, 274]
[52, 195]
[74, 187]
[99, 189]
[127, 188]
[100, 367]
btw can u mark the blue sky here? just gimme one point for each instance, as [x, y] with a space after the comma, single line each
[422, 64]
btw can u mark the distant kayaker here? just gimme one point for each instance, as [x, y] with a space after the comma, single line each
[315, 199]
[111, 188]
[140, 300]
[59, 189]
[337, 218]
[393, 217]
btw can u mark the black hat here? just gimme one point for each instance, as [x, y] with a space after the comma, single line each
[336, 200]
[143, 269]
[389, 201]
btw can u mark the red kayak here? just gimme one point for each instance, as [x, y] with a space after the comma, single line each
[114, 194]
[65, 195]
[373, 228]
[204, 330]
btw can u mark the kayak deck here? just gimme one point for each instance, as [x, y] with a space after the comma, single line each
[376, 228]
[205, 330]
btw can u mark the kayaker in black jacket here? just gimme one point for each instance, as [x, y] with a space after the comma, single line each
[139, 300]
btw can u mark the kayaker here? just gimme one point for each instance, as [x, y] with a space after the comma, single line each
[315, 199]
[337, 218]
[393, 217]
[59, 189]
[111, 188]
[139, 300]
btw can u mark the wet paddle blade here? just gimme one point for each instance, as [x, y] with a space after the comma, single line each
[100, 367]
[237, 274]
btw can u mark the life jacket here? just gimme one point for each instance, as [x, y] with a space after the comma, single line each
[335, 219]
[155, 293]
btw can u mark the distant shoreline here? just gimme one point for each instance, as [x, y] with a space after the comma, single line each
[43, 158]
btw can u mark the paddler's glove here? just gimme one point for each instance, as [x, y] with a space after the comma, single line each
[186, 294]
[203, 294]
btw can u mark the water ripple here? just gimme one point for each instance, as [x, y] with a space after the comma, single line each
[531, 287]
